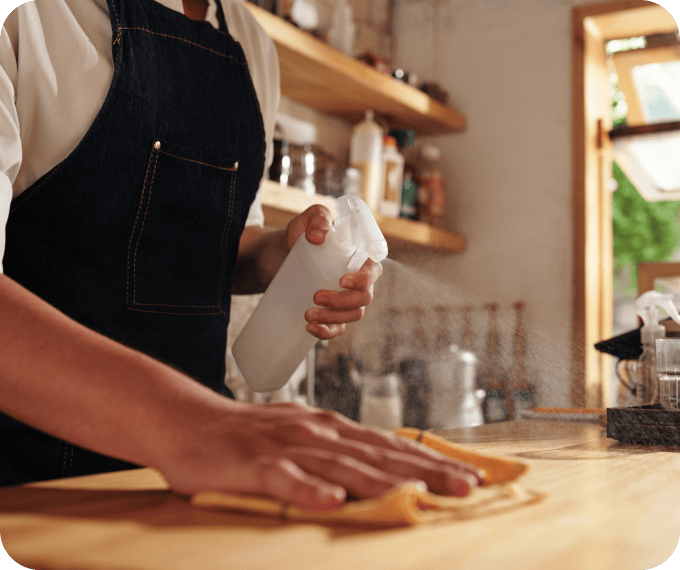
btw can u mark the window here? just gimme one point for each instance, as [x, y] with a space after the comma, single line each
[648, 148]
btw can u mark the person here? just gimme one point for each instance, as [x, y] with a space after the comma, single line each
[135, 134]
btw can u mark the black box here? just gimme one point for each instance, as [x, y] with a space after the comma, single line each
[644, 425]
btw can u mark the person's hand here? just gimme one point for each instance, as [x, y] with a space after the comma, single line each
[308, 457]
[334, 308]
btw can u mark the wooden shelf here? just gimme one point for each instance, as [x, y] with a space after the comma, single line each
[317, 75]
[281, 203]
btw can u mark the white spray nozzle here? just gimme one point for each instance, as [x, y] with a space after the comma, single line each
[647, 305]
[355, 224]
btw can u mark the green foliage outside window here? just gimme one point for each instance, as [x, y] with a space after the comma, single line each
[642, 231]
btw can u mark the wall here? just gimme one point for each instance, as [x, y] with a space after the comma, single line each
[507, 68]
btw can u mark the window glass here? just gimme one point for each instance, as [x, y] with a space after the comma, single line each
[658, 87]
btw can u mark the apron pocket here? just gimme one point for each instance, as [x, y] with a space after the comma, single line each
[177, 251]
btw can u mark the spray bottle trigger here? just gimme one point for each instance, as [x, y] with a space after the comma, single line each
[355, 223]
[669, 307]
[357, 261]
[647, 303]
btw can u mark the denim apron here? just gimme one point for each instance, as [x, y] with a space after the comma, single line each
[135, 233]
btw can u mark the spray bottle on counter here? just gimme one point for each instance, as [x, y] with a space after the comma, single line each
[275, 341]
[646, 306]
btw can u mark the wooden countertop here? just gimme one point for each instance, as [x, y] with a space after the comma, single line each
[607, 505]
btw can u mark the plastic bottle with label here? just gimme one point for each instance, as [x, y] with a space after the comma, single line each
[365, 154]
[393, 178]
[431, 198]
[275, 341]
[409, 196]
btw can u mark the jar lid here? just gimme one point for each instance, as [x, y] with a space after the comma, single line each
[389, 141]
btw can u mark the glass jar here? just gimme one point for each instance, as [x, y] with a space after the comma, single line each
[381, 403]
[668, 370]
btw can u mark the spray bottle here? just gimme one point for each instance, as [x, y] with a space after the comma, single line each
[275, 341]
[646, 306]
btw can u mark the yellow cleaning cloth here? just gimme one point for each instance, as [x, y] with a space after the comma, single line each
[406, 504]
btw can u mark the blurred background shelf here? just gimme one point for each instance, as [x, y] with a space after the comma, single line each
[281, 203]
[317, 75]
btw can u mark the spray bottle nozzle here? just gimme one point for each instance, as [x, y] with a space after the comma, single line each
[647, 305]
[355, 224]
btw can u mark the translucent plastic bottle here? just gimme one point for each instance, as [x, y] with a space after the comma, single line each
[342, 30]
[365, 154]
[275, 341]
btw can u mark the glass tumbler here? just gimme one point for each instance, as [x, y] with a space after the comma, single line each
[381, 403]
[668, 371]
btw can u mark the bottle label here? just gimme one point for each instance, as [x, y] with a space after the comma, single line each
[370, 183]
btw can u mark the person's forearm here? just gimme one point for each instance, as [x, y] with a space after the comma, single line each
[66, 380]
[260, 255]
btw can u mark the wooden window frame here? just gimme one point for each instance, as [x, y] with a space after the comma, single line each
[648, 273]
[625, 61]
[592, 304]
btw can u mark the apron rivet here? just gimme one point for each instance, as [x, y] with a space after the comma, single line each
[157, 145]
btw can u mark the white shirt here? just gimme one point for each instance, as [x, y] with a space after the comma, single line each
[56, 67]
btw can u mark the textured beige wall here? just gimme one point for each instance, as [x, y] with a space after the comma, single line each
[507, 68]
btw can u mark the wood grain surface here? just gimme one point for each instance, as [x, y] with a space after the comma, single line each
[607, 505]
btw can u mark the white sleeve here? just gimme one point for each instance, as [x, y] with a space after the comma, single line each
[10, 138]
[263, 64]
[256, 214]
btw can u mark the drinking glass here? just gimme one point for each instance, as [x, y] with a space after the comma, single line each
[668, 371]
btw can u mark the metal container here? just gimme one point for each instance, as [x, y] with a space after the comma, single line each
[454, 400]
[307, 167]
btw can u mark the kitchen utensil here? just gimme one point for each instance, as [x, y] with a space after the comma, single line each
[454, 401]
